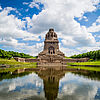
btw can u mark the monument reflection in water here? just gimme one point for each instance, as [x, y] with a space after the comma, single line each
[51, 79]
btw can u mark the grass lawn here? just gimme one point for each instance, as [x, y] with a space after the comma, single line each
[13, 63]
[81, 65]
[68, 57]
[15, 68]
[85, 63]
[86, 68]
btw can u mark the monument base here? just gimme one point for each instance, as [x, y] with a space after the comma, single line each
[56, 66]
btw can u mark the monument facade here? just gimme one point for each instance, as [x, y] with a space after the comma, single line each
[51, 52]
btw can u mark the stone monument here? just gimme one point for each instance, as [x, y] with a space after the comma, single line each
[51, 53]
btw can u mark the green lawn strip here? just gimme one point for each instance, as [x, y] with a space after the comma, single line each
[85, 63]
[15, 68]
[85, 68]
[68, 57]
[15, 65]
[14, 62]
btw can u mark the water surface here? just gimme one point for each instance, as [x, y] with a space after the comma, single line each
[50, 85]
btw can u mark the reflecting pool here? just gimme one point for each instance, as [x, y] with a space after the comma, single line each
[50, 85]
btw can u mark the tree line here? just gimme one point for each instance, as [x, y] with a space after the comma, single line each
[10, 54]
[95, 55]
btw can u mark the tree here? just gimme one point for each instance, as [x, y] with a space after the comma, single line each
[95, 55]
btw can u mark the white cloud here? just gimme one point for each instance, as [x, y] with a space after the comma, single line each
[68, 41]
[32, 50]
[25, 3]
[68, 52]
[87, 49]
[35, 49]
[0, 8]
[32, 4]
[83, 17]
[11, 28]
[95, 26]
[79, 50]
[60, 15]
[27, 10]
[11, 42]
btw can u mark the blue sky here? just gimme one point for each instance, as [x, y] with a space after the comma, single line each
[24, 23]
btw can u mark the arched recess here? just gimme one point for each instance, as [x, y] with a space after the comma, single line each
[51, 50]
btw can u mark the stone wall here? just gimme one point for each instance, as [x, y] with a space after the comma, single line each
[31, 60]
[64, 60]
[19, 59]
[76, 60]
[25, 59]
